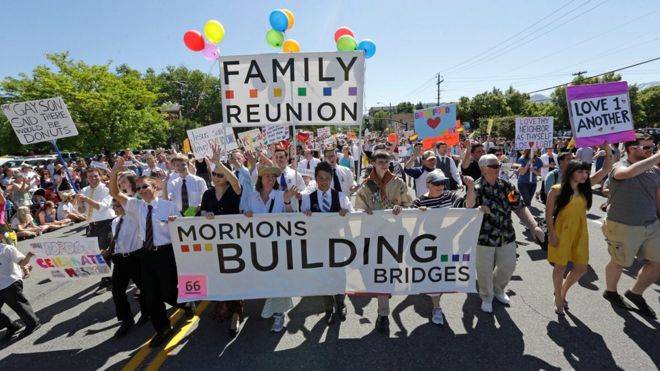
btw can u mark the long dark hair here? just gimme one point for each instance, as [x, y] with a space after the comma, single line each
[567, 191]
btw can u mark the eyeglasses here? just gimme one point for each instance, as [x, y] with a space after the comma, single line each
[142, 187]
[494, 166]
[219, 175]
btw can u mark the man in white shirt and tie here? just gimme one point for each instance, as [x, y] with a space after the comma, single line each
[327, 200]
[288, 177]
[95, 202]
[185, 191]
[309, 162]
[447, 165]
[237, 162]
[342, 177]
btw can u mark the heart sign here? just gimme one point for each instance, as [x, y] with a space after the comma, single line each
[433, 123]
[531, 144]
[303, 136]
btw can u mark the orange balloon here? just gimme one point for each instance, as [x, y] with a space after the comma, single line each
[291, 46]
[289, 14]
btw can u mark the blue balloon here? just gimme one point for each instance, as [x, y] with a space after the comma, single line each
[278, 20]
[368, 46]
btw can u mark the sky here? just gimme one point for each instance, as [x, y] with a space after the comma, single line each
[474, 45]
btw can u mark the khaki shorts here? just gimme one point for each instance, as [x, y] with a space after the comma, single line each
[625, 242]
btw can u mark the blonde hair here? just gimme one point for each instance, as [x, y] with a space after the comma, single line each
[23, 214]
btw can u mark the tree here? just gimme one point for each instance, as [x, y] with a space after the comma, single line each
[198, 93]
[405, 107]
[649, 99]
[419, 105]
[112, 110]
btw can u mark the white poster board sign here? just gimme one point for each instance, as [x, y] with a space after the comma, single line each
[323, 132]
[253, 139]
[534, 132]
[200, 139]
[41, 120]
[70, 258]
[276, 133]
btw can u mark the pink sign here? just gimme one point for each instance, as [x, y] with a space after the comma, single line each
[599, 113]
[193, 286]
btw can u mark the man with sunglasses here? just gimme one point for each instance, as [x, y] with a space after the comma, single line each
[632, 227]
[186, 190]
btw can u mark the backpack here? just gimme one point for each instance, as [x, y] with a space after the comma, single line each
[555, 174]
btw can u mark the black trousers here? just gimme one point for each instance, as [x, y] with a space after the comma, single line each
[335, 302]
[127, 268]
[102, 230]
[159, 278]
[12, 295]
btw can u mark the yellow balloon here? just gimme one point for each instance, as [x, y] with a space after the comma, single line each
[289, 14]
[214, 31]
[291, 46]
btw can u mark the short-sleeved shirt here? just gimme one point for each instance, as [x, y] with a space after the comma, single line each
[10, 272]
[633, 201]
[473, 170]
[497, 227]
[525, 178]
[162, 209]
[228, 204]
[446, 199]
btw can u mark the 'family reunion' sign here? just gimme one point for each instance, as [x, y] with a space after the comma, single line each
[70, 258]
[293, 89]
[235, 257]
[41, 120]
[201, 138]
[533, 132]
[599, 113]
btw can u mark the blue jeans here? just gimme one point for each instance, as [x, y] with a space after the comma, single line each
[527, 192]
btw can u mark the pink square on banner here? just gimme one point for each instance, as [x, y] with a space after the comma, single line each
[192, 286]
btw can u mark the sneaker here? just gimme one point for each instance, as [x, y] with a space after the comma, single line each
[438, 318]
[639, 301]
[278, 323]
[383, 324]
[11, 330]
[487, 306]
[503, 298]
[104, 286]
[616, 299]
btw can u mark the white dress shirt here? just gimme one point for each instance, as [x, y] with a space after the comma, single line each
[162, 209]
[256, 204]
[128, 239]
[292, 177]
[453, 169]
[344, 202]
[196, 187]
[103, 197]
[545, 159]
[311, 162]
[345, 176]
[10, 271]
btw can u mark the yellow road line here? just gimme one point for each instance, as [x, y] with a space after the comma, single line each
[144, 351]
[164, 353]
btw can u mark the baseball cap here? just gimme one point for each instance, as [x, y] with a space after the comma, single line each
[427, 155]
[436, 177]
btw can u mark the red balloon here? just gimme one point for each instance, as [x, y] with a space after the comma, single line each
[194, 40]
[341, 31]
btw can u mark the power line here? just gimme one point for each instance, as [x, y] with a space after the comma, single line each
[604, 73]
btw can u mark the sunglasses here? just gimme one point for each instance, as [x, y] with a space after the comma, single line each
[645, 148]
[494, 166]
[438, 183]
[219, 175]
[142, 187]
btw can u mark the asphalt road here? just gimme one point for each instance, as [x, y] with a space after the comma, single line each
[78, 327]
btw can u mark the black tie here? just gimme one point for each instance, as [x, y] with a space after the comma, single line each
[236, 173]
[184, 196]
[335, 179]
[308, 161]
[113, 242]
[149, 231]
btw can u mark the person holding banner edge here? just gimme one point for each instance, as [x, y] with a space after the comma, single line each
[327, 200]
[157, 263]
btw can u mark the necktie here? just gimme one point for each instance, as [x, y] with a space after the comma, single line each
[184, 196]
[308, 161]
[283, 183]
[326, 202]
[113, 243]
[236, 173]
[335, 180]
[90, 209]
[149, 231]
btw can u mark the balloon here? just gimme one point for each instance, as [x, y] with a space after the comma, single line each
[368, 46]
[279, 20]
[274, 38]
[291, 46]
[210, 52]
[193, 40]
[289, 15]
[341, 31]
[214, 31]
[346, 43]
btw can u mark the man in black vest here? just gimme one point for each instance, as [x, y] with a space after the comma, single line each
[447, 165]
[327, 200]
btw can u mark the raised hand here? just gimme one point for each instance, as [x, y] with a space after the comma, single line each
[216, 150]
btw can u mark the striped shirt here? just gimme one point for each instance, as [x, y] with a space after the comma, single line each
[446, 199]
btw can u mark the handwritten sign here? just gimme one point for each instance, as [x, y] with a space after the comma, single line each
[435, 121]
[599, 113]
[276, 133]
[253, 139]
[534, 132]
[41, 120]
[200, 139]
[70, 258]
[323, 132]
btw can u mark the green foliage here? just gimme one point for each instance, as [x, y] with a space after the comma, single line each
[405, 107]
[649, 115]
[198, 93]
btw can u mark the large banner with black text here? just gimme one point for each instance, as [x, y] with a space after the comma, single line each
[235, 257]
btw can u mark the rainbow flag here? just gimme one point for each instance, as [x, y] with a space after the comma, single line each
[413, 137]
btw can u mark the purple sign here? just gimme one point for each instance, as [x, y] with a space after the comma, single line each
[599, 113]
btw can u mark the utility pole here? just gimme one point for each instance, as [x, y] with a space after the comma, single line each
[440, 79]
[579, 73]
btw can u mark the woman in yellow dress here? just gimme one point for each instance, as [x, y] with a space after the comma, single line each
[566, 216]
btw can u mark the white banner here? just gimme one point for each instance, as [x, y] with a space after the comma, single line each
[534, 132]
[276, 133]
[41, 120]
[235, 257]
[293, 89]
[70, 258]
[200, 139]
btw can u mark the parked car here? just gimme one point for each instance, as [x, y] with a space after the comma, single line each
[12, 162]
[39, 160]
